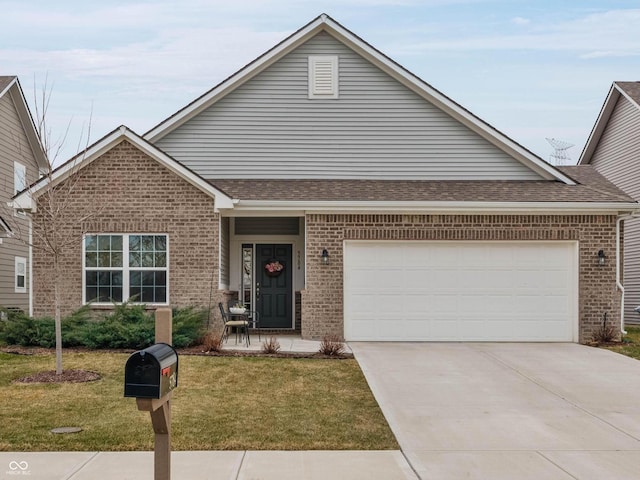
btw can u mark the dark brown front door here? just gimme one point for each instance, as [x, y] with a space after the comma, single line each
[273, 286]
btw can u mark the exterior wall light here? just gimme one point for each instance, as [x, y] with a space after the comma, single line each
[601, 257]
[325, 256]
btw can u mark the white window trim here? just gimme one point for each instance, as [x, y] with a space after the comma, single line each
[20, 261]
[332, 62]
[19, 177]
[125, 268]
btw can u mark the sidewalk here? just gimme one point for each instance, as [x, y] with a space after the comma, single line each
[209, 465]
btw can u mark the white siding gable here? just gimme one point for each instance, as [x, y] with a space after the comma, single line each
[377, 129]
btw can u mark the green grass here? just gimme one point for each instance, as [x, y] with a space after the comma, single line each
[630, 345]
[221, 403]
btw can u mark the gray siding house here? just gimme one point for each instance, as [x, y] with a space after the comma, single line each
[335, 192]
[21, 160]
[613, 149]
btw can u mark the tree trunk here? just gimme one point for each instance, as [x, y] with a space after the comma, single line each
[57, 319]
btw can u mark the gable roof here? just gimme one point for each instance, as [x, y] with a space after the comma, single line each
[25, 199]
[627, 90]
[390, 67]
[10, 85]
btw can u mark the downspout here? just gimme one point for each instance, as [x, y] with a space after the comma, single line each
[618, 282]
[30, 271]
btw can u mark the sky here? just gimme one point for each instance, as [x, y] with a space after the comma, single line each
[531, 69]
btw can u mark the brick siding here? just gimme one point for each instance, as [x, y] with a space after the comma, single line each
[131, 193]
[597, 286]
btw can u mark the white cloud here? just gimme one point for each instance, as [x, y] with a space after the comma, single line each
[612, 31]
[520, 21]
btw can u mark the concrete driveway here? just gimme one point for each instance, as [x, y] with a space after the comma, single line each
[509, 410]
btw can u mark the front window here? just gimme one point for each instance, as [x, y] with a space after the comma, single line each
[125, 267]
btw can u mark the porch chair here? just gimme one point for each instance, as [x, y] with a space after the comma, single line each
[253, 317]
[242, 326]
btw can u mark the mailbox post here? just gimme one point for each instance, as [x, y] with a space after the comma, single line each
[150, 376]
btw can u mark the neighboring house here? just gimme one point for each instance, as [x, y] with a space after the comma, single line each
[21, 160]
[613, 149]
[394, 212]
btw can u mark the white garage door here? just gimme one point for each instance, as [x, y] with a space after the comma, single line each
[460, 291]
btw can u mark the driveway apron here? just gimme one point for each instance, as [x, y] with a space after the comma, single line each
[508, 410]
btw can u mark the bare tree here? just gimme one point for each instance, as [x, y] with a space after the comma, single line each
[54, 228]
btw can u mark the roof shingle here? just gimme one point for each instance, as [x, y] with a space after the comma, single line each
[592, 187]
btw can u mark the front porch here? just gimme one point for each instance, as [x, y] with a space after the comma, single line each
[288, 344]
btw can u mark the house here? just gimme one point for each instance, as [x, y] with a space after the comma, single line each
[613, 149]
[337, 193]
[21, 160]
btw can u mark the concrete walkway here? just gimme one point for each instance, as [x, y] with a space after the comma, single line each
[504, 411]
[209, 465]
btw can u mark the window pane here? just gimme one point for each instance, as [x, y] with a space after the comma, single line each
[104, 242]
[91, 294]
[135, 279]
[104, 259]
[91, 259]
[161, 278]
[134, 243]
[147, 243]
[116, 278]
[116, 294]
[20, 281]
[147, 259]
[134, 259]
[116, 259]
[134, 294]
[161, 294]
[161, 243]
[116, 242]
[161, 259]
[91, 278]
[104, 294]
[104, 278]
[147, 294]
[91, 243]
[148, 278]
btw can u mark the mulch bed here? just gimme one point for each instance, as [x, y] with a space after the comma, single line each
[67, 376]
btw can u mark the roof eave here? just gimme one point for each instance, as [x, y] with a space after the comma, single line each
[598, 127]
[26, 119]
[25, 199]
[435, 207]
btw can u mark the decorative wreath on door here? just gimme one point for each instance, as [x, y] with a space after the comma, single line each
[273, 268]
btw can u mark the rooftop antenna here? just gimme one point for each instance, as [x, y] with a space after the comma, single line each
[559, 156]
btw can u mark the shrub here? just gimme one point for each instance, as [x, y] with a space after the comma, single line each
[189, 326]
[605, 333]
[127, 326]
[271, 345]
[212, 341]
[331, 345]
[21, 329]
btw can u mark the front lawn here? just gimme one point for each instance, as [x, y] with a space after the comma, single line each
[221, 403]
[630, 345]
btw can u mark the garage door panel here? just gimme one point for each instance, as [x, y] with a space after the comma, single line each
[456, 291]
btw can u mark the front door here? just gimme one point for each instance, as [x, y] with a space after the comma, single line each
[273, 285]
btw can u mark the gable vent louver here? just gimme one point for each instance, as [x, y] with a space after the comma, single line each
[323, 76]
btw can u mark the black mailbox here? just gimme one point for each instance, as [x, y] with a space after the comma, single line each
[152, 372]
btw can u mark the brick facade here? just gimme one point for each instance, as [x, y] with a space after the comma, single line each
[128, 192]
[597, 284]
